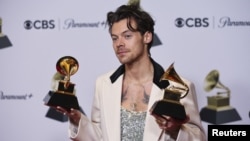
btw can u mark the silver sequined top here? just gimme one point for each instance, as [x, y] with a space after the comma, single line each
[132, 125]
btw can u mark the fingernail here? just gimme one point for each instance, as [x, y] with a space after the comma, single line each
[164, 122]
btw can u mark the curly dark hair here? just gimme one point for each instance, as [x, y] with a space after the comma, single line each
[143, 19]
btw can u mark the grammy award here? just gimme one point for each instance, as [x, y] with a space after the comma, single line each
[218, 110]
[4, 40]
[64, 95]
[170, 104]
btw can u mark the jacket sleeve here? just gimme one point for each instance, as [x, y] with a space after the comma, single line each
[88, 129]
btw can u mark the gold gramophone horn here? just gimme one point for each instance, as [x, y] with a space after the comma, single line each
[171, 75]
[67, 66]
[212, 81]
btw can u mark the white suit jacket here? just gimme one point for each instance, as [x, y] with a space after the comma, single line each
[104, 124]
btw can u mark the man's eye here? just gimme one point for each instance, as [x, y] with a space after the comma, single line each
[127, 36]
[114, 39]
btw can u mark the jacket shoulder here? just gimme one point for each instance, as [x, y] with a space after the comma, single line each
[105, 76]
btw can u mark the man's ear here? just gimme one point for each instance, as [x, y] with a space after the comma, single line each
[148, 37]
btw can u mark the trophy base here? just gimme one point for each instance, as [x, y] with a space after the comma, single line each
[4, 42]
[173, 109]
[66, 101]
[53, 114]
[220, 115]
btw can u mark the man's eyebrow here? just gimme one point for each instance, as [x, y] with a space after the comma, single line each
[124, 32]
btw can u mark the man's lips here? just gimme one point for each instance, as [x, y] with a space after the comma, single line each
[121, 52]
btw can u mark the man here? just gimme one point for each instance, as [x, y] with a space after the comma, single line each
[123, 98]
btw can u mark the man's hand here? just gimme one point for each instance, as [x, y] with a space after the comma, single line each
[73, 114]
[170, 125]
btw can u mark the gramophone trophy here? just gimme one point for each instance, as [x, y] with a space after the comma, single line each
[218, 109]
[64, 96]
[170, 104]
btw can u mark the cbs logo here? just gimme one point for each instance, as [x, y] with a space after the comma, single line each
[192, 22]
[39, 24]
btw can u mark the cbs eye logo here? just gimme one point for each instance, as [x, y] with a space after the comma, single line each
[191, 22]
[39, 24]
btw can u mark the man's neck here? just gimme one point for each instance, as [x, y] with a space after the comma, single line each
[140, 71]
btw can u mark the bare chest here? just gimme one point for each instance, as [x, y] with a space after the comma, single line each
[135, 97]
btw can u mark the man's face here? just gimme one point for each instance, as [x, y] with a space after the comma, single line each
[129, 46]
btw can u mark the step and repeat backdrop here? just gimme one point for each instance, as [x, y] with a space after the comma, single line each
[207, 40]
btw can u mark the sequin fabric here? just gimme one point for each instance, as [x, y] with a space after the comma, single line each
[132, 125]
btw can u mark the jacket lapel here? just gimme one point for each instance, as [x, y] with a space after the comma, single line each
[111, 108]
[152, 130]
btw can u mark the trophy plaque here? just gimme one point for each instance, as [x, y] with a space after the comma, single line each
[64, 96]
[218, 109]
[170, 104]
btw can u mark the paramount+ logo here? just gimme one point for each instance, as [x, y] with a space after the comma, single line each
[39, 24]
[192, 22]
